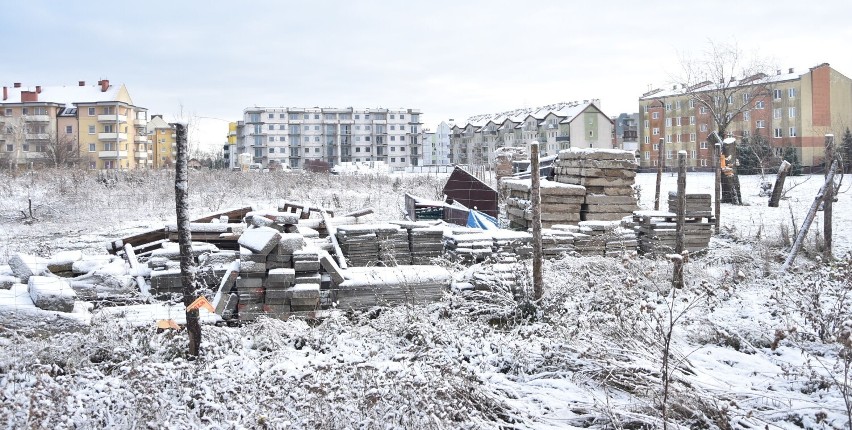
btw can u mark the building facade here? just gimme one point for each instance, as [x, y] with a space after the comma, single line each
[229, 150]
[791, 110]
[627, 131]
[290, 136]
[163, 138]
[555, 127]
[436, 145]
[97, 126]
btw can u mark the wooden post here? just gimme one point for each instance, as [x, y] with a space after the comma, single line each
[681, 200]
[535, 197]
[803, 232]
[677, 271]
[778, 189]
[187, 264]
[660, 147]
[828, 203]
[718, 203]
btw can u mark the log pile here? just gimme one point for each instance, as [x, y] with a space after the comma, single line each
[608, 176]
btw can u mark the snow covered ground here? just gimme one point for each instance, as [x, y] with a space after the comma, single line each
[751, 348]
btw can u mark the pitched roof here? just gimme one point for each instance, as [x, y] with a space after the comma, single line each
[68, 95]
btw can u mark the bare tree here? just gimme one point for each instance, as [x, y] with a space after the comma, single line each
[724, 84]
[62, 150]
[187, 263]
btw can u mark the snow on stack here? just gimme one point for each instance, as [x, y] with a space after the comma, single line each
[366, 287]
[424, 241]
[374, 244]
[510, 245]
[52, 294]
[468, 245]
[560, 203]
[608, 176]
[558, 240]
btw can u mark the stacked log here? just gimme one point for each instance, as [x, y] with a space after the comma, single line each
[560, 203]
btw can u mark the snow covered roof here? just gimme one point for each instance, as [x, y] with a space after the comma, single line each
[562, 109]
[761, 79]
[67, 95]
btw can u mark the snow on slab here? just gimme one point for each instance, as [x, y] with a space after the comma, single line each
[143, 315]
[394, 276]
[65, 258]
[260, 240]
[25, 265]
[51, 293]
[6, 281]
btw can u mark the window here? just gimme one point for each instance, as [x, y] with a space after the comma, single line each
[702, 110]
[677, 104]
[677, 121]
[647, 155]
[793, 132]
[402, 117]
[307, 139]
[8, 111]
[271, 116]
[691, 103]
[10, 148]
[402, 160]
[703, 145]
[393, 160]
[655, 131]
[656, 146]
[69, 129]
[26, 147]
[745, 98]
[294, 116]
[392, 116]
[282, 139]
[791, 92]
[357, 149]
[746, 116]
[282, 116]
[282, 127]
[91, 129]
[792, 112]
[271, 150]
[647, 140]
[366, 116]
[669, 154]
[716, 100]
[758, 104]
[760, 123]
[272, 138]
[745, 133]
[647, 123]
[778, 133]
[776, 94]
[668, 106]
[316, 139]
[357, 138]
[668, 138]
[692, 120]
[692, 137]
[730, 100]
[703, 127]
[316, 128]
[307, 150]
[393, 138]
[366, 138]
[703, 162]
[655, 115]
[393, 127]
[316, 150]
[668, 122]
[306, 116]
[272, 126]
[316, 116]
[91, 111]
[692, 154]
[776, 113]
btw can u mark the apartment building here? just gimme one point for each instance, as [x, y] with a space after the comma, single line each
[229, 150]
[97, 126]
[291, 136]
[556, 127]
[627, 131]
[436, 145]
[163, 138]
[789, 109]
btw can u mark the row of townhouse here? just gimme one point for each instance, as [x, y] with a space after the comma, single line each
[556, 127]
[97, 126]
[292, 136]
[787, 109]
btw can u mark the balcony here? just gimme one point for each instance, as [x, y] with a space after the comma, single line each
[37, 118]
[112, 118]
[141, 139]
[563, 138]
[112, 155]
[36, 136]
[140, 155]
[112, 136]
[140, 122]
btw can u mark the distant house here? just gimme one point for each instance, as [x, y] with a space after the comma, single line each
[194, 163]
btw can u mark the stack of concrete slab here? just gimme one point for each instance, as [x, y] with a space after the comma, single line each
[359, 244]
[697, 205]
[496, 277]
[426, 244]
[278, 281]
[605, 238]
[468, 245]
[370, 286]
[510, 245]
[393, 246]
[304, 297]
[657, 232]
[560, 203]
[607, 174]
[557, 240]
[283, 222]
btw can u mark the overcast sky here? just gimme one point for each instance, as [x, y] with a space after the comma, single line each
[450, 59]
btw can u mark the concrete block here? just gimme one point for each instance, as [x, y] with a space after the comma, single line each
[260, 240]
[52, 294]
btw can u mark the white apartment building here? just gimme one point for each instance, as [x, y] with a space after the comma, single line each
[436, 145]
[556, 127]
[291, 136]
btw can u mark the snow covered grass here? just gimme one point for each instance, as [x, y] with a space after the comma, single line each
[750, 348]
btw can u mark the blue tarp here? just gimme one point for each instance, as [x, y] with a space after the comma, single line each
[481, 220]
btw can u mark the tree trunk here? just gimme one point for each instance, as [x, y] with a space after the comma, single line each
[828, 203]
[778, 189]
[718, 185]
[187, 264]
[803, 232]
[659, 173]
[681, 201]
[535, 198]
[731, 184]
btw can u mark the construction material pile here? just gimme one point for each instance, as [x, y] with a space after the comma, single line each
[605, 238]
[365, 287]
[509, 246]
[558, 240]
[425, 240]
[467, 245]
[657, 232]
[607, 175]
[697, 205]
[360, 243]
[560, 203]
